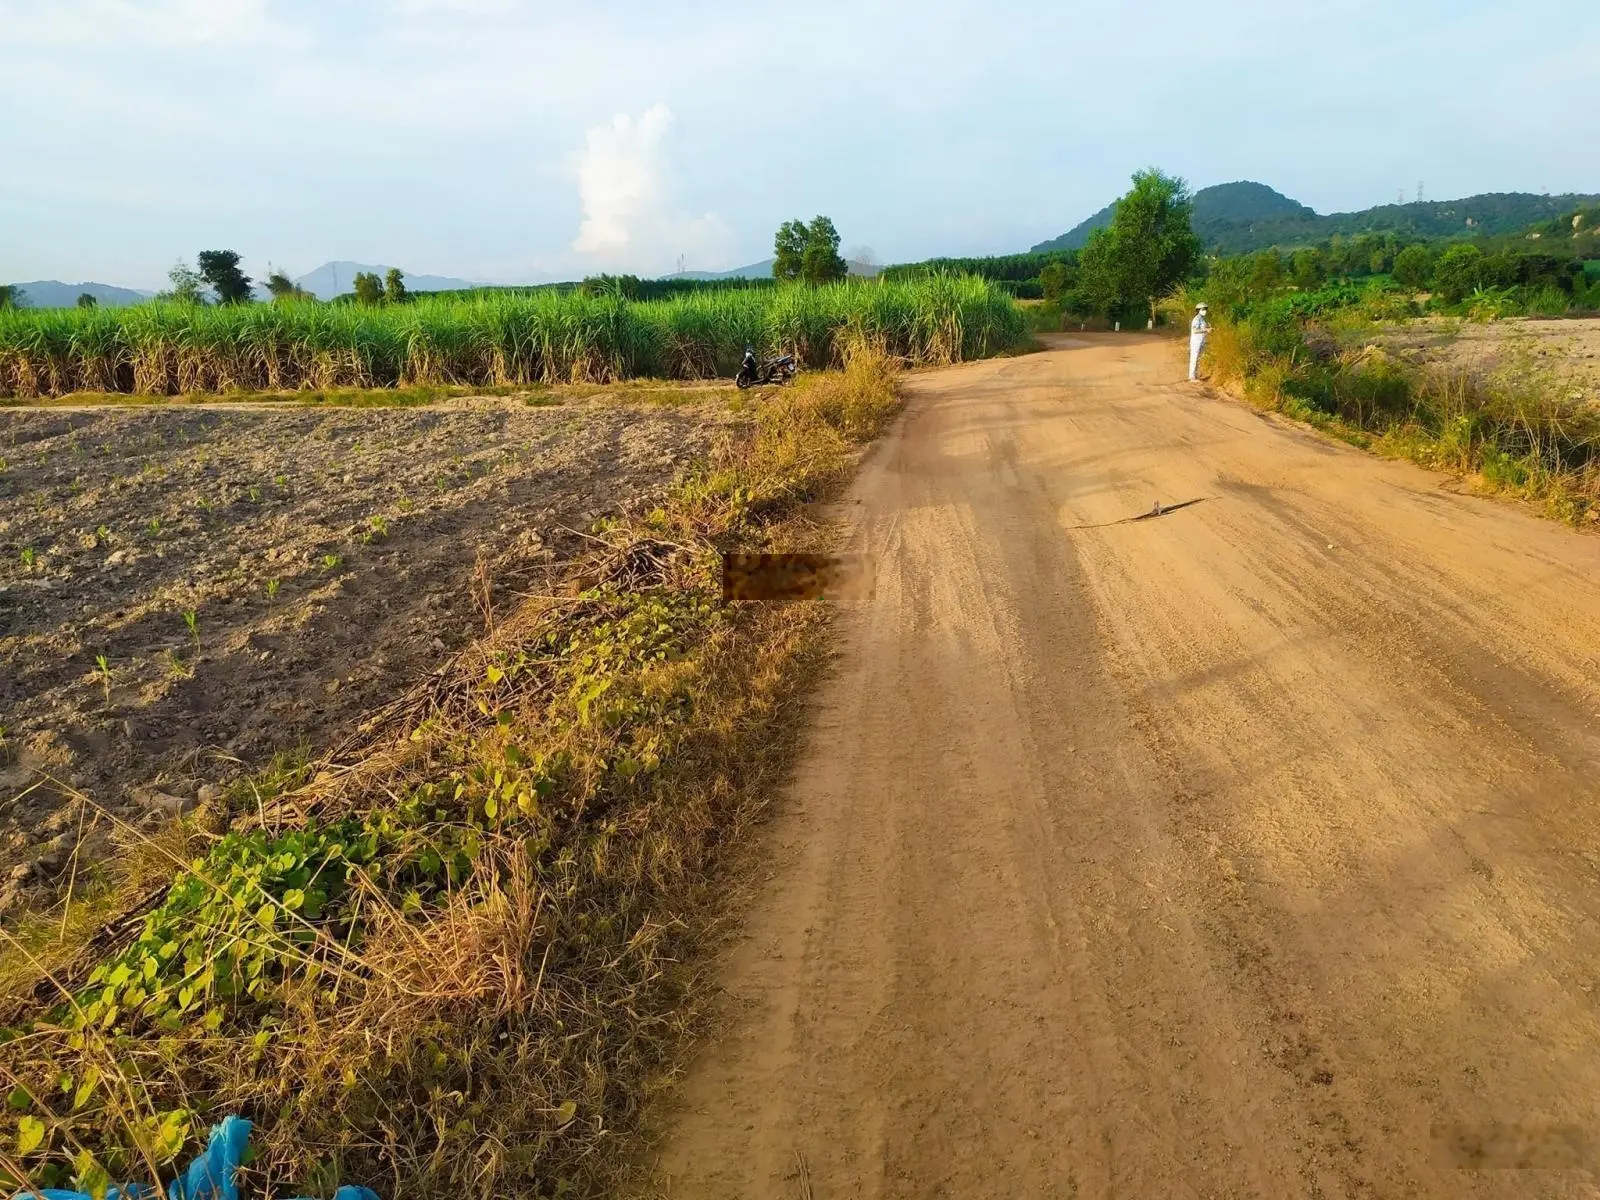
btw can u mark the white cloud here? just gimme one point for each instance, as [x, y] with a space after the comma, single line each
[624, 189]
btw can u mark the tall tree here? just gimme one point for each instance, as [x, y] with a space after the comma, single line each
[85, 300]
[789, 250]
[821, 262]
[394, 286]
[12, 296]
[220, 269]
[1054, 280]
[186, 285]
[1148, 248]
[284, 288]
[368, 288]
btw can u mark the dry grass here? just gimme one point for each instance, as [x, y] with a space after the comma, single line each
[587, 765]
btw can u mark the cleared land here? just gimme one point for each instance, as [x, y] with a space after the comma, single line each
[1568, 348]
[329, 557]
[1249, 850]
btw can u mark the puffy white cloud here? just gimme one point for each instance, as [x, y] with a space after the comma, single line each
[624, 188]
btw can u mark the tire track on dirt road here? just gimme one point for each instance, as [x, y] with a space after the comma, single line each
[1221, 854]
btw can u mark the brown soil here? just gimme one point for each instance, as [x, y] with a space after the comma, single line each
[1247, 850]
[405, 501]
[1565, 347]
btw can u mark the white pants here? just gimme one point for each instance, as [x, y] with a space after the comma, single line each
[1197, 343]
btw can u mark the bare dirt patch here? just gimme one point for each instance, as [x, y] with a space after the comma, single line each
[1566, 347]
[327, 557]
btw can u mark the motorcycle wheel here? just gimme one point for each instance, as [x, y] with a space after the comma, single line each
[742, 381]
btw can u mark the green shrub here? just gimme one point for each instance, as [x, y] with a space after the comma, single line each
[1500, 470]
[1413, 267]
[1458, 272]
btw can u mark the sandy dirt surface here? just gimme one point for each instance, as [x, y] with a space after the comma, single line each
[1566, 348]
[1248, 850]
[328, 556]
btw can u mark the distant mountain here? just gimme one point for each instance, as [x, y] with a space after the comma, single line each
[1239, 218]
[336, 278]
[1217, 211]
[763, 270]
[52, 293]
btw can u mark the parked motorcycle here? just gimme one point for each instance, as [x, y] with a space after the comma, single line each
[753, 371]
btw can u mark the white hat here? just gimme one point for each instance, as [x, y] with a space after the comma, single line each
[1202, 304]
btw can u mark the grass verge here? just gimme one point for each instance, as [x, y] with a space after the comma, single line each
[458, 959]
[1523, 428]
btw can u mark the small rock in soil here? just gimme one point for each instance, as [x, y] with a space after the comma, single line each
[162, 803]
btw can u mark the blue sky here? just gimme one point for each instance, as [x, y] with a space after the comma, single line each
[506, 140]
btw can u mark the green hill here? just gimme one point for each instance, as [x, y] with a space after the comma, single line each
[1238, 218]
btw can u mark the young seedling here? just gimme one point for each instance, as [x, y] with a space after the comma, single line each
[272, 589]
[104, 669]
[191, 618]
[330, 561]
[406, 504]
[154, 527]
[255, 495]
[377, 531]
[281, 480]
[28, 557]
[102, 534]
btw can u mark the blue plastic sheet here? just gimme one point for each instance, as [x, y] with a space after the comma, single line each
[209, 1177]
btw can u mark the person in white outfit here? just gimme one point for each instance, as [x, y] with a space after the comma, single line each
[1198, 328]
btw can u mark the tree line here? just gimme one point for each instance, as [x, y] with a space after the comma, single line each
[1149, 250]
[216, 276]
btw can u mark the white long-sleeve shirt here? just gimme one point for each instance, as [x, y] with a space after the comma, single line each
[1199, 327]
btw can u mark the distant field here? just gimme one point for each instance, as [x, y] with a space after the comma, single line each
[553, 337]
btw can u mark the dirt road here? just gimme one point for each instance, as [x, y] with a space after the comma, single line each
[1250, 850]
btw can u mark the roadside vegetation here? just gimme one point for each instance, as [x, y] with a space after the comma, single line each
[1525, 425]
[551, 337]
